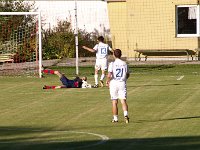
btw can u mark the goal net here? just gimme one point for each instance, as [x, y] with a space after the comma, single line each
[20, 43]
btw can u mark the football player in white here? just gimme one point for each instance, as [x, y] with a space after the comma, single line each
[118, 73]
[101, 49]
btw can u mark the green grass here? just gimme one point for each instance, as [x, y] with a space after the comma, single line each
[163, 104]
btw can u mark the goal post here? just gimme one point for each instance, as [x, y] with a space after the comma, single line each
[21, 37]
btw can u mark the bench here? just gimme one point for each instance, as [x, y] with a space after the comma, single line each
[6, 58]
[198, 53]
[164, 52]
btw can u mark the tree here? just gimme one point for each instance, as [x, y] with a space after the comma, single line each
[16, 6]
[13, 21]
[59, 42]
[10, 27]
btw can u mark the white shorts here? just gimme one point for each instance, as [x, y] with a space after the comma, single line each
[101, 64]
[118, 90]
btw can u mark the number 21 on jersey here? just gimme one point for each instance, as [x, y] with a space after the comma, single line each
[119, 72]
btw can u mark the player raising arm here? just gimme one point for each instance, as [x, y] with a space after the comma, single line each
[118, 73]
[101, 49]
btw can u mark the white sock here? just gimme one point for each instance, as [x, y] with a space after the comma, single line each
[115, 117]
[125, 113]
[102, 77]
[96, 78]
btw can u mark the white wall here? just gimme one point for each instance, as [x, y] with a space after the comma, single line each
[90, 13]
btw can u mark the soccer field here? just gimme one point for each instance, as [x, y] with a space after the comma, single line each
[164, 112]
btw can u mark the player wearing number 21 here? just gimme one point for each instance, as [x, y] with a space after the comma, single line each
[101, 49]
[118, 73]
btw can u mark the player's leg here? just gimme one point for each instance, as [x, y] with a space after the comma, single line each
[115, 110]
[104, 66]
[96, 74]
[65, 81]
[113, 95]
[125, 110]
[53, 87]
[48, 71]
[58, 74]
[123, 96]
[103, 74]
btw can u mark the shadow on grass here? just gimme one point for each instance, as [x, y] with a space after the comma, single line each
[151, 67]
[168, 119]
[12, 138]
[149, 85]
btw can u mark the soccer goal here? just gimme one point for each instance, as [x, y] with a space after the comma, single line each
[20, 43]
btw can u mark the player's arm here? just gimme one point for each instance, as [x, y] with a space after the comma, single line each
[109, 76]
[128, 73]
[88, 49]
[110, 49]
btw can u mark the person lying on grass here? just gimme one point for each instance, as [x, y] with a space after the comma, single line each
[67, 83]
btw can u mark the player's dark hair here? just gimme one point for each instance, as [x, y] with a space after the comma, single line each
[101, 38]
[85, 78]
[117, 53]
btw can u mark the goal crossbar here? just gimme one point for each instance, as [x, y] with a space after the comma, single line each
[19, 13]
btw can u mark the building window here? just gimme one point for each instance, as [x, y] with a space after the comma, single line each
[187, 21]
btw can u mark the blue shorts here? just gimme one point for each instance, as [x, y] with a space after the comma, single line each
[68, 83]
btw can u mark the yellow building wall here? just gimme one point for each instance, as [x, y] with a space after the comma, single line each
[149, 25]
[117, 12]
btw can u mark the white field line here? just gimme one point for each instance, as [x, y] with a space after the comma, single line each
[104, 138]
[180, 78]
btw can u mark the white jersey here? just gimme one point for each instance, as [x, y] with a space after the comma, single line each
[119, 70]
[102, 50]
[86, 85]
